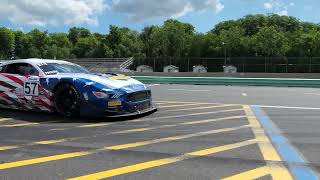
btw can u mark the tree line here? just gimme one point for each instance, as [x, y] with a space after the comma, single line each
[251, 36]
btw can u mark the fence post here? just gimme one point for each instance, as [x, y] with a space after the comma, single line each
[310, 64]
[188, 65]
[286, 64]
[154, 65]
[265, 64]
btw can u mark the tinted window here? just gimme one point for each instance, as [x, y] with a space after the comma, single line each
[54, 68]
[21, 69]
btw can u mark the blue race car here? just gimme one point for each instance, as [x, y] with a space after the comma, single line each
[51, 85]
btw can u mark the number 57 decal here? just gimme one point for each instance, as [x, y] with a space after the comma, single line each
[31, 89]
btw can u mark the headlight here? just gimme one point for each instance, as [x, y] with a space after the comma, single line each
[100, 95]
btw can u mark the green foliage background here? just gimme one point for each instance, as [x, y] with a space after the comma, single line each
[250, 36]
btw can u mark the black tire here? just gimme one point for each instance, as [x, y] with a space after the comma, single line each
[67, 100]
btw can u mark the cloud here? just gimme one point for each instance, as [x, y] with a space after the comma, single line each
[51, 12]
[268, 5]
[278, 6]
[283, 13]
[145, 9]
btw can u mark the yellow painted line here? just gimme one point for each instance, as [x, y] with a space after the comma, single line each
[279, 172]
[133, 130]
[50, 141]
[47, 142]
[41, 160]
[160, 162]
[179, 124]
[213, 120]
[252, 174]
[208, 107]
[161, 103]
[19, 125]
[2, 148]
[174, 138]
[5, 119]
[94, 125]
[267, 149]
[58, 129]
[179, 105]
[187, 115]
[180, 102]
[115, 147]
[83, 126]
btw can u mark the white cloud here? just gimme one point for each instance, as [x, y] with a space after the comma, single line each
[268, 5]
[283, 13]
[279, 7]
[146, 9]
[51, 12]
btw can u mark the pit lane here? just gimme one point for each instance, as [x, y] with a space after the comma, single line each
[199, 132]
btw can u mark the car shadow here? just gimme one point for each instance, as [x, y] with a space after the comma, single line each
[42, 117]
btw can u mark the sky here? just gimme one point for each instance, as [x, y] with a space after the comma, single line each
[97, 15]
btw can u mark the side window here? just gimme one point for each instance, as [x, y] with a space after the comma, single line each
[21, 69]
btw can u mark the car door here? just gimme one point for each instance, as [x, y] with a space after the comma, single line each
[4, 88]
[22, 81]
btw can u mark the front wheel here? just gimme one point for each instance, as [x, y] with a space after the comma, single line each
[67, 100]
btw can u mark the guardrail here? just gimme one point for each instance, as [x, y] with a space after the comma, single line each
[278, 82]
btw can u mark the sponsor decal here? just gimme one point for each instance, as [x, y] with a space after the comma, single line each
[119, 78]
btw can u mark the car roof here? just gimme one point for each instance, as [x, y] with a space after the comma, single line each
[33, 61]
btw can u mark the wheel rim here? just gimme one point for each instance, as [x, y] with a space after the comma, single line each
[67, 102]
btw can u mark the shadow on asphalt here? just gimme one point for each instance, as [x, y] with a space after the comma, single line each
[42, 117]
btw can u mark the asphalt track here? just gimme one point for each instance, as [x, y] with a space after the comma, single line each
[199, 132]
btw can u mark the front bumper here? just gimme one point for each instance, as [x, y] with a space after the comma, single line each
[152, 109]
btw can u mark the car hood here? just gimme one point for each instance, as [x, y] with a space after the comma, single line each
[110, 81]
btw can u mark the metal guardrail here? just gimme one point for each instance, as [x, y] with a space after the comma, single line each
[277, 82]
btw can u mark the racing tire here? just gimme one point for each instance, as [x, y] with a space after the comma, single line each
[67, 100]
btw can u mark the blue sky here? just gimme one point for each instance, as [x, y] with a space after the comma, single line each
[97, 15]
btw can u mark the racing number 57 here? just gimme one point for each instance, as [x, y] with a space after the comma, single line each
[31, 89]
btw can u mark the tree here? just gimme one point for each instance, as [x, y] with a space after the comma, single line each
[232, 39]
[58, 46]
[86, 47]
[178, 36]
[6, 42]
[124, 42]
[77, 33]
[270, 42]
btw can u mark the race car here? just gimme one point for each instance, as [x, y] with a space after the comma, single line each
[71, 90]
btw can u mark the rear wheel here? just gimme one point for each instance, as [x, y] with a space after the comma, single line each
[67, 100]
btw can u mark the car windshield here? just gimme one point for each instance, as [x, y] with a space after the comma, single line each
[55, 68]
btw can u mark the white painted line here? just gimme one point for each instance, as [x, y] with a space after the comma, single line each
[289, 107]
[151, 85]
[316, 94]
[188, 90]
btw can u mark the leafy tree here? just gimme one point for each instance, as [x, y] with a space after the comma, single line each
[6, 42]
[76, 33]
[270, 42]
[124, 42]
[232, 40]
